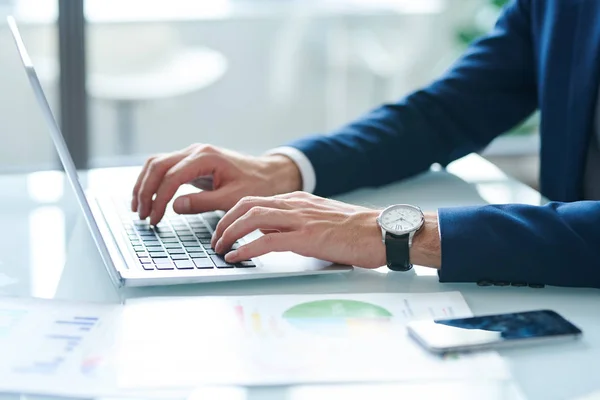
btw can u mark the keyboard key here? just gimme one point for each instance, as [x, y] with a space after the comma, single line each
[175, 251]
[220, 262]
[139, 249]
[204, 236]
[184, 265]
[245, 264]
[153, 246]
[190, 244]
[180, 257]
[165, 260]
[212, 223]
[173, 246]
[210, 252]
[198, 255]
[145, 261]
[186, 237]
[164, 266]
[158, 255]
[194, 249]
[205, 242]
[148, 267]
[203, 263]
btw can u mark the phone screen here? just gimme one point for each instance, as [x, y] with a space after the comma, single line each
[490, 329]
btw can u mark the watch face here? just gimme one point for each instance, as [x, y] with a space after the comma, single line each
[401, 219]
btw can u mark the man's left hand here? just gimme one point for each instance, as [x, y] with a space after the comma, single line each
[305, 224]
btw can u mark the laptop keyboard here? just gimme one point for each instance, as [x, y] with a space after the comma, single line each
[177, 243]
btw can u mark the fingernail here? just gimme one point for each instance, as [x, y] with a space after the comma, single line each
[182, 204]
[231, 256]
[218, 246]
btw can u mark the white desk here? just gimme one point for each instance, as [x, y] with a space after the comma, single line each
[38, 235]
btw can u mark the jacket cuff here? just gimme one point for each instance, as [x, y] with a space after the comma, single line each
[307, 171]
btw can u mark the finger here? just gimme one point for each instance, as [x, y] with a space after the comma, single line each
[242, 207]
[156, 170]
[209, 200]
[138, 183]
[286, 241]
[186, 170]
[257, 218]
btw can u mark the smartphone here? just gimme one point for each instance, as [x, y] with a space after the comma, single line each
[492, 331]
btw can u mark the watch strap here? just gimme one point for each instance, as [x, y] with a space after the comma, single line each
[397, 252]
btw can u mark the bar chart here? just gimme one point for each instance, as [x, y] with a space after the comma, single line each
[62, 337]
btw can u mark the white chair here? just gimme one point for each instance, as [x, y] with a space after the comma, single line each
[130, 64]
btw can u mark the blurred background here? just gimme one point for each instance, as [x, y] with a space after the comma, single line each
[245, 74]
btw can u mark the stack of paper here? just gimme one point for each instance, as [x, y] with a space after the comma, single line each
[182, 343]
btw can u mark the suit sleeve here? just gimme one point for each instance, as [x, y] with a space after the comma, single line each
[489, 90]
[556, 244]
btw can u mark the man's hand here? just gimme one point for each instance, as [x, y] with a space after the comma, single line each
[225, 177]
[316, 227]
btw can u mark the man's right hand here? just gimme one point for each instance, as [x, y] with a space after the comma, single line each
[234, 176]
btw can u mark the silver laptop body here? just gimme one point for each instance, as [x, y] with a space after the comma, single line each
[174, 252]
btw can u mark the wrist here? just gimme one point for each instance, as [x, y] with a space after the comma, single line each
[283, 172]
[426, 245]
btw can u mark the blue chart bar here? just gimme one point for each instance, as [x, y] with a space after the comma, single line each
[70, 341]
[83, 324]
[78, 323]
[86, 319]
[63, 336]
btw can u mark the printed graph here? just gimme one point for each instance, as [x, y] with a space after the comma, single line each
[62, 337]
[321, 317]
[339, 317]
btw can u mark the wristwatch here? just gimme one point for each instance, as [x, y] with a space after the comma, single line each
[399, 223]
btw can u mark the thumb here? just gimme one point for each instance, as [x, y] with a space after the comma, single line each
[204, 201]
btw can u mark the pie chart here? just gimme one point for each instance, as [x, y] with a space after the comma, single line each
[338, 317]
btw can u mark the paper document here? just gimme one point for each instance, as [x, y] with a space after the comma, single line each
[55, 347]
[158, 346]
[289, 339]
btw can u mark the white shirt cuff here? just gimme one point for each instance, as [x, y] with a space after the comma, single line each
[307, 172]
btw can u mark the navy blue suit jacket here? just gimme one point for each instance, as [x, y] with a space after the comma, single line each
[541, 54]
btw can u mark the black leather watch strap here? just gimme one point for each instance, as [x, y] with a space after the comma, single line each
[397, 252]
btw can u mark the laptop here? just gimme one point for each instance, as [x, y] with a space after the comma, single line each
[177, 250]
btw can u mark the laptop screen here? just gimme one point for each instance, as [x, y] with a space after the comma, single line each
[61, 148]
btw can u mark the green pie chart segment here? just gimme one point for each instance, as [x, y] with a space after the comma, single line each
[338, 317]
